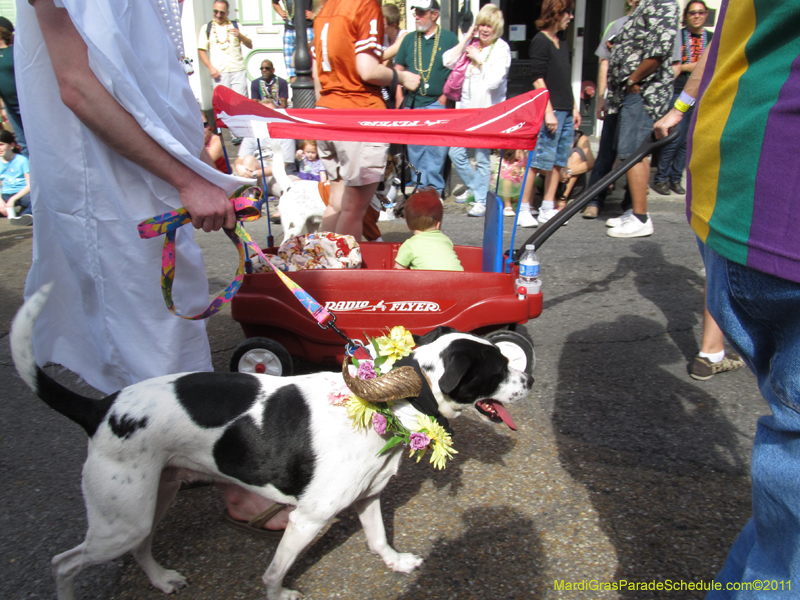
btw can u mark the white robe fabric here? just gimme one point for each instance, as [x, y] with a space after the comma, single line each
[106, 319]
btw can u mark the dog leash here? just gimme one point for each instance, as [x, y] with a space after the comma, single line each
[246, 204]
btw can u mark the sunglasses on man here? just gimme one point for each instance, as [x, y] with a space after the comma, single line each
[697, 13]
[220, 12]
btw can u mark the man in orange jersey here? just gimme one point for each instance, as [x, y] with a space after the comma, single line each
[348, 37]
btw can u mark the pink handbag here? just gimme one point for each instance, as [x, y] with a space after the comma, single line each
[455, 81]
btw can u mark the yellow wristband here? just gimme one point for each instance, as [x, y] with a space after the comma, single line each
[681, 105]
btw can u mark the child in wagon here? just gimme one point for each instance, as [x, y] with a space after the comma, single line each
[428, 248]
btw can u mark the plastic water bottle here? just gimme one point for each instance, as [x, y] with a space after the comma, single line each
[529, 271]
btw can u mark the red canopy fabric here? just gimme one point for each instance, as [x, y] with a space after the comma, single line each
[514, 123]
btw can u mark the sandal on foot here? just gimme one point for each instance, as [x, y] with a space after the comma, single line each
[255, 526]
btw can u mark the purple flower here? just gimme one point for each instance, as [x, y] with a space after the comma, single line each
[418, 441]
[366, 370]
[379, 423]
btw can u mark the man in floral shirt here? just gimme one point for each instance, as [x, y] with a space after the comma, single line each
[640, 79]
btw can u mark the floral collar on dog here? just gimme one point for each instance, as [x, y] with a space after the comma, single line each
[420, 432]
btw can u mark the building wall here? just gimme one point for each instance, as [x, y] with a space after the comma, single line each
[8, 9]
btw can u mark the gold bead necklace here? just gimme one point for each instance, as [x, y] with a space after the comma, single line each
[425, 74]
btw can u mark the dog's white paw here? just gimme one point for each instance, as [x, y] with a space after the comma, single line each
[169, 581]
[287, 594]
[404, 562]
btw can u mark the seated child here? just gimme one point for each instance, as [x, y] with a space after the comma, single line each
[15, 174]
[429, 248]
[511, 174]
[311, 168]
[573, 178]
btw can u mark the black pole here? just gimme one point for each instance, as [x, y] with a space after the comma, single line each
[303, 85]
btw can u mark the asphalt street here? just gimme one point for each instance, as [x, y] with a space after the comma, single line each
[623, 468]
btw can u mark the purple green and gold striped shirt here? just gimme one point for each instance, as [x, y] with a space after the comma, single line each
[744, 170]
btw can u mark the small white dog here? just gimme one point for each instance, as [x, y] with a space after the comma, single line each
[277, 437]
[300, 206]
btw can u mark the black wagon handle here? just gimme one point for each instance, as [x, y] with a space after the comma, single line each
[649, 144]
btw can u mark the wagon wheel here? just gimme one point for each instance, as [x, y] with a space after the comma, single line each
[516, 347]
[261, 355]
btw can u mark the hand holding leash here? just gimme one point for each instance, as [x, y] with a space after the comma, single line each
[244, 205]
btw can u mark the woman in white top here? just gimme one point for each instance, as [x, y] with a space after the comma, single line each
[485, 85]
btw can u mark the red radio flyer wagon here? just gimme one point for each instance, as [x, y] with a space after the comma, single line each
[482, 299]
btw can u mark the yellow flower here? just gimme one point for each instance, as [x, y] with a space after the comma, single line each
[360, 412]
[441, 442]
[396, 345]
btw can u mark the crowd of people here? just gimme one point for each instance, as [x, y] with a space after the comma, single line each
[149, 152]
[644, 64]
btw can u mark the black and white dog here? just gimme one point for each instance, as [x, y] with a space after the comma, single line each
[278, 437]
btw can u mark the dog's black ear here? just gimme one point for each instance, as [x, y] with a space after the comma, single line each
[434, 334]
[456, 365]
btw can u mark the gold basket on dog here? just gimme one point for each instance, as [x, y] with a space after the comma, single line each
[399, 383]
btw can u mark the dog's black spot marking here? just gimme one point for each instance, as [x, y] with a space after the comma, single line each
[278, 452]
[125, 426]
[473, 370]
[86, 412]
[215, 399]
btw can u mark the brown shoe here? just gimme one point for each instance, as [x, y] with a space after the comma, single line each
[590, 212]
[703, 369]
[662, 187]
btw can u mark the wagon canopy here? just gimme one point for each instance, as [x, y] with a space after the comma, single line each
[514, 123]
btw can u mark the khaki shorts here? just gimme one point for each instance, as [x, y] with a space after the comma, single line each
[355, 163]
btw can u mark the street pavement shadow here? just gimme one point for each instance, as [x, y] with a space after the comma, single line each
[664, 467]
[498, 557]
[474, 440]
[675, 289]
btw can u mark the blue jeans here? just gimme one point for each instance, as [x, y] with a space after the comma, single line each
[672, 162]
[635, 124]
[760, 316]
[554, 148]
[429, 160]
[476, 179]
[23, 203]
[606, 156]
[16, 123]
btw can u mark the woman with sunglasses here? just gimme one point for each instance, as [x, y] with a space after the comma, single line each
[551, 69]
[693, 40]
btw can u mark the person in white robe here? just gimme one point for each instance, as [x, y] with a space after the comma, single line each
[115, 137]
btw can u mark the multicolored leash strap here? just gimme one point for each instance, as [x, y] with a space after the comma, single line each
[246, 204]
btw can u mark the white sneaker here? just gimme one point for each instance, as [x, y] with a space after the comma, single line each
[526, 219]
[617, 221]
[632, 227]
[545, 214]
[461, 198]
[21, 221]
[478, 210]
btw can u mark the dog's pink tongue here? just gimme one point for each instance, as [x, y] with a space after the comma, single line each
[503, 414]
